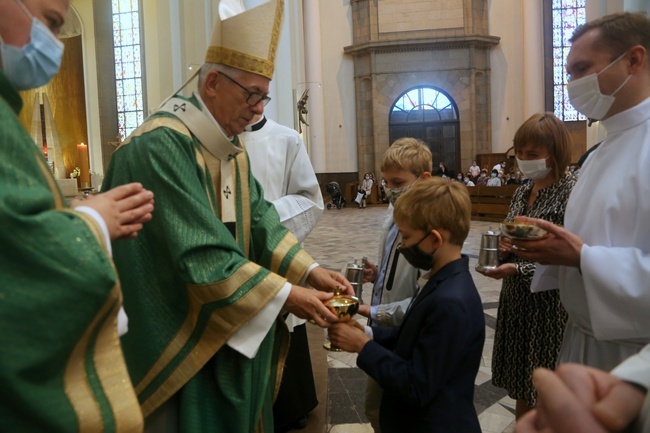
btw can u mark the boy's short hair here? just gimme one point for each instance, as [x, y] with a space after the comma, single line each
[436, 203]
[408, 154]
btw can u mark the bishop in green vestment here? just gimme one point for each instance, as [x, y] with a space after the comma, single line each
[61, 365]
[206, 280]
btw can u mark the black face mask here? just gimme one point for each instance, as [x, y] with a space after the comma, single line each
[415, 256]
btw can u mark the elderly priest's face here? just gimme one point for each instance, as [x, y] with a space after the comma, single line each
[15, 24]
[226, 97]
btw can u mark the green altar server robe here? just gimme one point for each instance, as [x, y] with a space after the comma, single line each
[61, 365]
[191, 281]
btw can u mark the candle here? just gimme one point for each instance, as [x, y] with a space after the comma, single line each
[84, 165]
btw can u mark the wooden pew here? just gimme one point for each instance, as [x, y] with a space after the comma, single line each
[491, 203]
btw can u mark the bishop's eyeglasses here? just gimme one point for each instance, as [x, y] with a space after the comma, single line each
[253, 98]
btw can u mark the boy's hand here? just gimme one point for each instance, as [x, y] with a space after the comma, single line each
[364, 310]
[370, 272]
[349, 336]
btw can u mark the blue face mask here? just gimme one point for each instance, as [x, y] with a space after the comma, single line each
[34, 64]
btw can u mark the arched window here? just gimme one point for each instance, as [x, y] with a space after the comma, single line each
[565, 16]
[128, 65]
[431, 115]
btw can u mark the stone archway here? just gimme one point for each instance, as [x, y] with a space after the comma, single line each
[431, 115]
[441, 43]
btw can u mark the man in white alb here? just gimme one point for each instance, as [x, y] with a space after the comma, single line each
[604, 246]
[279, 161]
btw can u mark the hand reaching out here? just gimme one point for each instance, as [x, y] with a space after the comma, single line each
[349, 336]
[124, 209]
[559, 247]
[309, 304]
[326, 280]
[370, 272]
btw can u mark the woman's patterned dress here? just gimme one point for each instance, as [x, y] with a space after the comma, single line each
[529, 325]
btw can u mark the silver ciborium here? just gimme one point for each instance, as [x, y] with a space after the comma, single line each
[488, 256]
[345, 307]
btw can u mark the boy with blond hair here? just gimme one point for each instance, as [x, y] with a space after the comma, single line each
[405, 162]
[427, 366]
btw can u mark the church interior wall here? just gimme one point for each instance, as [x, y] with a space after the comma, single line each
[176, 34]
[84, 9]
[338, 87]
[507, 84]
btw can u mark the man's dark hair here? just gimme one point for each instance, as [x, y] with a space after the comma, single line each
[619, 32]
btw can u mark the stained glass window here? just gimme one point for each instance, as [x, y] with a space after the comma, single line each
[128, 65]
[567, 15]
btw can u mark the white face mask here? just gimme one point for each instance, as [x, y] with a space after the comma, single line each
[534, 169]
[585, 95]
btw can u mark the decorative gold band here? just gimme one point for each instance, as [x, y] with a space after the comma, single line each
[238, 60]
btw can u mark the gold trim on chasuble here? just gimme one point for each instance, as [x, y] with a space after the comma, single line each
[176, 125]
[222, 325]
[59, 201]
[108, 363]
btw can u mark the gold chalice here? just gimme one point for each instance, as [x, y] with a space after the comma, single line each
[345, 307]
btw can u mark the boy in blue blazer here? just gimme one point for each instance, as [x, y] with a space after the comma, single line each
[427, 366]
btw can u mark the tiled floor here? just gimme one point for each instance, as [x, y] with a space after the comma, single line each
[349, 233]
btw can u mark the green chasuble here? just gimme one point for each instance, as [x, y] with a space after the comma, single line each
[190, 281]
[61, 365]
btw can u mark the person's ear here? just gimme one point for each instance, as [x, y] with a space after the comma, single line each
[436, 236]
[638, 58]
[212, 83]
[426, 175]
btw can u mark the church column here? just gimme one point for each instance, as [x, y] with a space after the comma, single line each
[314, 82]
[533, 65]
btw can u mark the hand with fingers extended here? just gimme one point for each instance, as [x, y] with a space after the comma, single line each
[310, 304]
[326, 280]
[124, 209]
[349, 336]
[581, 399]
[558, 247]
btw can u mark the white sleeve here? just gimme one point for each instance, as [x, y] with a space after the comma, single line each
[616, 286]
[302, 205]
[248, 338]
[122, 318]
[100, 222]
[635, 369]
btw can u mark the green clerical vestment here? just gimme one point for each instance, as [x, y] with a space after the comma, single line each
[191, 281]
[61, 365]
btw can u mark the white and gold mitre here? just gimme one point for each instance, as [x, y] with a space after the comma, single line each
[248, 40]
